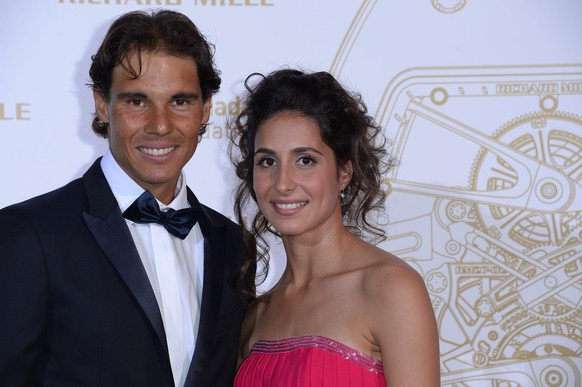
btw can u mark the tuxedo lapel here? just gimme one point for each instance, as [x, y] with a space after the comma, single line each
[211, 291]
[110, 230]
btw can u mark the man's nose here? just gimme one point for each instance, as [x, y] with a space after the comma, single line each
[160, 122]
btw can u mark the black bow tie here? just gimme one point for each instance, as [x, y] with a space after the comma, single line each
[145, 209]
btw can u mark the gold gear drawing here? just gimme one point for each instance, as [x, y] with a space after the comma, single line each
[546, 136]
[546, 239]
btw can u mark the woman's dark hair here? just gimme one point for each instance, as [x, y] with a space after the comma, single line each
[164, 31]
[345, 127]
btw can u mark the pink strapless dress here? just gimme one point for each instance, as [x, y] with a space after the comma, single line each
[308, 361]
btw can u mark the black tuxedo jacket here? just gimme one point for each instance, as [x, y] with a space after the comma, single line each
[76, 305]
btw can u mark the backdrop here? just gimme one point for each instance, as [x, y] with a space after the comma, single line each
[481, 99]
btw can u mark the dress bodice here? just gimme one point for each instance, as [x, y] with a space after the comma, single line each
[308, 361]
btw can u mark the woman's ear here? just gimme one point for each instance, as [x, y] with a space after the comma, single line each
[345, 174]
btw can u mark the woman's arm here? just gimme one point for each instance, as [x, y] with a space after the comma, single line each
[405, 328]
[247, 329]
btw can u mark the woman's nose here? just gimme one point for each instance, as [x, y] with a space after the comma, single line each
[285, 180]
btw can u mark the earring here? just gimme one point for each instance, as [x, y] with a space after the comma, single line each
[342, 195]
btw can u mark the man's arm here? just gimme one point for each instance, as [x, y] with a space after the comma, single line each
[24, 299]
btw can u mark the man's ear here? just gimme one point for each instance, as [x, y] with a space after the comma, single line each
[206, 110]
[101, 107]
[345, 173]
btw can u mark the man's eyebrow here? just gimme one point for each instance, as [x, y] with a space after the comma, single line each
[140, 95]
[131, 95]
[186, 95]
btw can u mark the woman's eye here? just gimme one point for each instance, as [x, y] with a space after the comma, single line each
[266, 162]
[306, 160]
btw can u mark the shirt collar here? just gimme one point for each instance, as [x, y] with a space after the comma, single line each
[126, 190]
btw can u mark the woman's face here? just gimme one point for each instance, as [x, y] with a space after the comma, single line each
[296, 179]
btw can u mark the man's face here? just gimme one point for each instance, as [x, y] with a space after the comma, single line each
[154, 120]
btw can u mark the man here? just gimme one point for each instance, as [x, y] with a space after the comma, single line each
[100, 284]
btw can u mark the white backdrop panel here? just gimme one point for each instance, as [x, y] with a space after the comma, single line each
[481, 98]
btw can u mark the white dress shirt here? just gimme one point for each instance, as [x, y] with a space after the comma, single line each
[174, 266]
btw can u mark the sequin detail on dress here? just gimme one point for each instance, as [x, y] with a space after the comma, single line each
[290, 344]
[308, 361]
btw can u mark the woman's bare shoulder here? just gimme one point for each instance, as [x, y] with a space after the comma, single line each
[402, 317]
[387, 282]
[384, 268]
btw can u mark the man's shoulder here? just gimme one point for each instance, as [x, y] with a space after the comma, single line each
[67, 194]
[71, 194]
[219, 218]
[49, 212]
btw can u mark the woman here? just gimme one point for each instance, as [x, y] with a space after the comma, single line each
[344, 311]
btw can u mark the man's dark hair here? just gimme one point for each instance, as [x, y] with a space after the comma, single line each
[161, 31]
